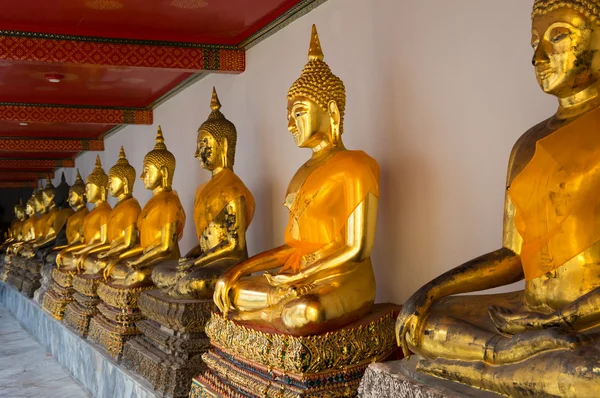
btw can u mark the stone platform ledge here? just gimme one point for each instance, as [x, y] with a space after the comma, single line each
[83, 360]
[400, 379]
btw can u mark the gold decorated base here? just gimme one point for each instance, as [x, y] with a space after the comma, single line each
[79, 313]
[63, 278]
[56, 300]
[112, 327]
[169, 352]
[116, 321]
[247, 362]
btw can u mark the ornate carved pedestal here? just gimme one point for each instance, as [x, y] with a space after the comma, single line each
[61, 293]
[32, 276]
[45, 281]
[245, 362]
[6, 267]
[80, 311]
[116, 321]
[169, 352]
[400, 379]
[16, 274]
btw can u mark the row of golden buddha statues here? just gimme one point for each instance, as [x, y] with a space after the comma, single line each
[299, 320]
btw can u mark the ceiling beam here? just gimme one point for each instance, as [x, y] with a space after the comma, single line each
[75, 50]
[8, 144]
[37, 113]
[20, 164]
[24, 175]
[18, 184]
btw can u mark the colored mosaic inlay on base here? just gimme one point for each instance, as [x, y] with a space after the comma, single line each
[246, 362]
[369, 338]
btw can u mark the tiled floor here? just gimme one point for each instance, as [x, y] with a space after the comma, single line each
[26, 370]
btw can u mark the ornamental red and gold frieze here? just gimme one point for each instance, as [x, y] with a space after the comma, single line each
[49, 145]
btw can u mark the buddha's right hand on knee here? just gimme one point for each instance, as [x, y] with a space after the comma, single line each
[408, 323]
[222, 288]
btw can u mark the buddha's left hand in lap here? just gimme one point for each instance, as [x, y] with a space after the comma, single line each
[509, 322]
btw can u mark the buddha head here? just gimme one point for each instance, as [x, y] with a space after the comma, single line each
[30, 205]
[48, 193]
[96, 183]
[77, 196]
[217, 139]
[19, 209]
[61, 193]
[566, 40]
[39, 205]
[316, 102]
[159, 165]
[121, 177]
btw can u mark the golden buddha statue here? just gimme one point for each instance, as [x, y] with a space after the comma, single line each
[223, 210]
[305, 311]
[121, 230]
[160, 223]
[128, 274]
[541, 341]
[325, 278]
[122, 235]
[55, 218]
[27, 230]
[74, 229]
[38, 225]
[94, 225]
[14, 231]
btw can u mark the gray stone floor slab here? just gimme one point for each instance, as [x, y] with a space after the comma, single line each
[26, 369]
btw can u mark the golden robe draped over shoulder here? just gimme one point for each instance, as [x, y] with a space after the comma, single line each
[329, 195]
[75, 224]
[212, 197]
[557, 197]
[162, 209]
[95, 219]
[122, 216]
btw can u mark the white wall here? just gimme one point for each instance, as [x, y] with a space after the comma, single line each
[438, 91]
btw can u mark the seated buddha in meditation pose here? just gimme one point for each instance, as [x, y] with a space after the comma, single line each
[542, 341]
[121, 230]
[160, 224]
[38, 225]
[223, 210]
[323, 278]
[16, 225]
[74, 229]
[94, 225]
[27, 230]
[54, 221]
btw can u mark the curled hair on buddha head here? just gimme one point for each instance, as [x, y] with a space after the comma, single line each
[160, 157]
[49, 189]
[78, 186]
[62, 192]
[220, 128]
[98, 177]
[318, 83]
[124, 171]
[589, 8]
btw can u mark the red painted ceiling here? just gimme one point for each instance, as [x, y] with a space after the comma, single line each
[119, 29]
[199, 21]
[87, 85]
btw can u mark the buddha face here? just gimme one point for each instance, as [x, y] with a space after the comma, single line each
[208, 151]
[308, 123]
[566, 46]
[48, 198]
[93, 192]
[75, 199]
[29, 209]
[116, 186]
[151, 176]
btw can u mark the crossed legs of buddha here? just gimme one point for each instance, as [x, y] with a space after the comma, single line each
[458, 341]
[320, 303]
